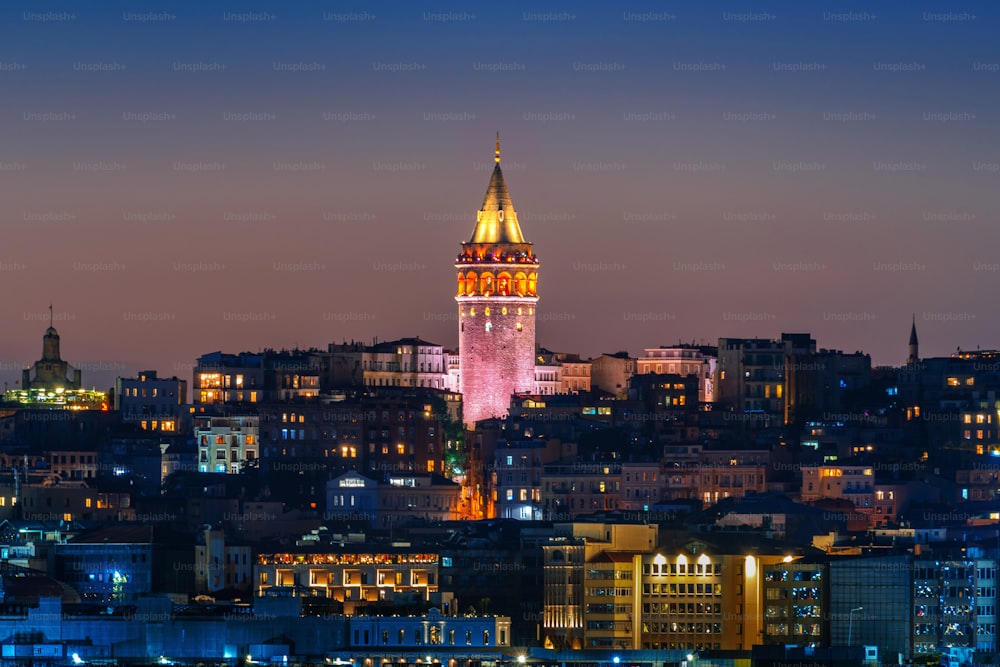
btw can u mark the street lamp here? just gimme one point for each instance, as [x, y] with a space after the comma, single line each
[850, 624]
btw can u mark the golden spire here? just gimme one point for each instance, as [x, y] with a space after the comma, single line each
[496, 221]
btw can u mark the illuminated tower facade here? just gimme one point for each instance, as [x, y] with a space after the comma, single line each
[497, 295]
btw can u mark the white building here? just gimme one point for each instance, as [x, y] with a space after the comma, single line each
[687, 360]
[226, 443]
[407, 362]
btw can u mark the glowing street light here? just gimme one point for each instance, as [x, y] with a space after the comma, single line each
[850, 624]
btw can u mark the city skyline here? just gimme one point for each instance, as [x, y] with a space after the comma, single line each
[257, 191]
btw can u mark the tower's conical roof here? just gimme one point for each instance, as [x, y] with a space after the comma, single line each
[913, 331]
[496, 221]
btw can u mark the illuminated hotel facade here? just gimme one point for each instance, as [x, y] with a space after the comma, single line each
[353, 578]
[609, 594]
[497, 295]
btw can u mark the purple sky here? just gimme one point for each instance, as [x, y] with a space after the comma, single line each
[175, 187]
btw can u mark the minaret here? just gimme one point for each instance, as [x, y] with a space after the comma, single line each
[497, 281]
[914, 355]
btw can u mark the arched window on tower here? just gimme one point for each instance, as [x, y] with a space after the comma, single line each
[486, 284]
[532, 283]
[461, 283]
[503, 284]
[470, 283]
[520, 284]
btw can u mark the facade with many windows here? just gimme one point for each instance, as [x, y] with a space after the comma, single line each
[407, 362]
[610, 607]
[155, 404]
[352, 577]
[225, 444]
[685, 360]
[842, 482]
[573, 490]
[694, 597]
[586, 592]
[387, 431]
[795, 604]
[432, 631]
[697, 598]
[641, 486]
[228, 379]
[948, 610]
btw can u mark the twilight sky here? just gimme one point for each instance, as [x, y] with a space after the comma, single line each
[181, 179]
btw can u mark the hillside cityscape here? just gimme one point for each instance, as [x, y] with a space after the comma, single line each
[763, 501]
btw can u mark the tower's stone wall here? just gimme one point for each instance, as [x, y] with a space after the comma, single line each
[496, 360]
